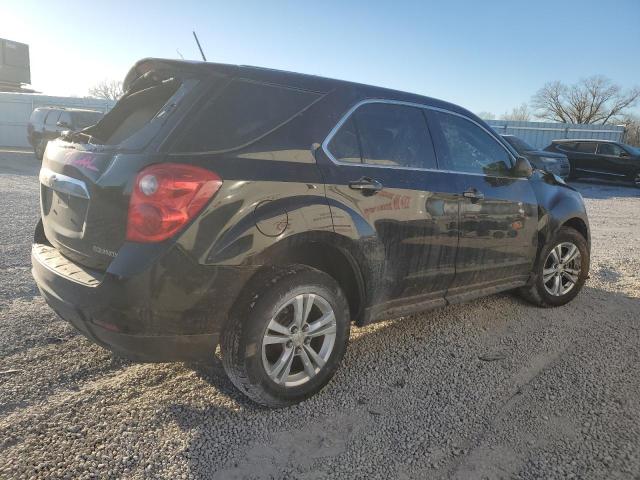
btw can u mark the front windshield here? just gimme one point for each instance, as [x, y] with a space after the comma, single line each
[519, 144]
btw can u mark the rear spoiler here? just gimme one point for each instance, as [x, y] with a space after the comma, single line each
[164, 68]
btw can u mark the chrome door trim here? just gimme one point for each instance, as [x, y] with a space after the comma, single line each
[63, 183]
[345, 117]
[600, 173]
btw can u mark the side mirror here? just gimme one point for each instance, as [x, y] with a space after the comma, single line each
[624, 153]
[522, 168]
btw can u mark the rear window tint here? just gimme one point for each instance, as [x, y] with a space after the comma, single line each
[242, 113]
[394, 135]
[38, 116]
[52, 118]
[65, 118]
[566, 146]
[344, 144]
[586, 147]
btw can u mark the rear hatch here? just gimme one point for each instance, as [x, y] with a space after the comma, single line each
[86, 176]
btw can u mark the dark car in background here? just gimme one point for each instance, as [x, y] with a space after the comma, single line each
[600, 158]
[263, 211]
[47, 123]
[556, 163]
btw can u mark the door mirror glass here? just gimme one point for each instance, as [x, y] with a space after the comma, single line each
[522, 168]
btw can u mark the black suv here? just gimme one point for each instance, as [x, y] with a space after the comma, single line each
[600, 158]
[263, 211]
[556, 163]
[47, 123]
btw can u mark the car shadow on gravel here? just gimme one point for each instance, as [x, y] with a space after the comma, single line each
[210, 448]
[213, 373]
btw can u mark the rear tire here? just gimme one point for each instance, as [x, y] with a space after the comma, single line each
[39, 149]
[560, 270]
[286, 336]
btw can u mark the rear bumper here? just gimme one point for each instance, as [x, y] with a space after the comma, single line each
[141, 348]
[142, 317]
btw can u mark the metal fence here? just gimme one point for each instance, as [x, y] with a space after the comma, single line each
[16, 108]
[540, 134]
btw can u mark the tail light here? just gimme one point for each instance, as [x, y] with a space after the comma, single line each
[166, 197]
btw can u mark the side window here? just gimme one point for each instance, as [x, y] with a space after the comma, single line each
[468, 148]
[609, 149]
[586, 147]
[344, 145]
[52, 118]
[242, 113]
[394, 135]
[65, 118]
[567, 147]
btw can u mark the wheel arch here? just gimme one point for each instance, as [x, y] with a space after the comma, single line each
[578, 224]
[328, 252]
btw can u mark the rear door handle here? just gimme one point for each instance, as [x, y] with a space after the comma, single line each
[366, 185]
[473, 194]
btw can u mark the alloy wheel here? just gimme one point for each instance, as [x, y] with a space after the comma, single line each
[561, 270]
[298, 340]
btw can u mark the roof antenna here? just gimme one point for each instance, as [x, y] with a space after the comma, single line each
[198, 42]
[178, 51]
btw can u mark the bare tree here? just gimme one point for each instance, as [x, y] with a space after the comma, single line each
[632, 129]
[107, 89]
[592, 100]
[521, 113]
[486, 115]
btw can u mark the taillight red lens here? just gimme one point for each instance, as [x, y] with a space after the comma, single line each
[166, 197]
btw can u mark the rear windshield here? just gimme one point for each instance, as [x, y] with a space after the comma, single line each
[243, 112]
[38, 116]
[138, 115]
[133, 112]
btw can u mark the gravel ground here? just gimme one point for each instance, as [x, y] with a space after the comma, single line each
[413, 399]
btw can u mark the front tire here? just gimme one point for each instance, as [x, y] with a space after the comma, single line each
[286, 336]
[560, 271]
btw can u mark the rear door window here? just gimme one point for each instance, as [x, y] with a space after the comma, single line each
[65, 118]
[567, 147]
[394, 135]
[469, 148]
[52, 118]
[344, 145]
[242, 113]
[586, 147]
[385, 134]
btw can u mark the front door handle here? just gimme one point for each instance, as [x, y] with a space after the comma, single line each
[367, 185]
[473, 194]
